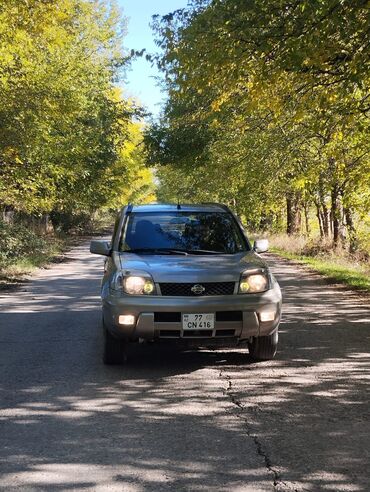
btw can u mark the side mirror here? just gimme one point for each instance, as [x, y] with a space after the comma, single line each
[261, 245]
[100, 248]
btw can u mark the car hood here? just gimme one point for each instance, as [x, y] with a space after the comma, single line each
[192, 268]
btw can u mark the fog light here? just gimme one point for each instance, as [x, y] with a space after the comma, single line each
[148, 287]
[244, 286]
[267, 316]
[126, 319]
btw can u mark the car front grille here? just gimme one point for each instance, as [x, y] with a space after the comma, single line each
[210, 289]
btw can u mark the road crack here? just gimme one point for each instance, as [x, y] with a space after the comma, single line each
[278, 483]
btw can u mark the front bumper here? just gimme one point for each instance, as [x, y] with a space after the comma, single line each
[236, 316]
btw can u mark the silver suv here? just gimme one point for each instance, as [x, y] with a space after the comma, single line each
[186, 272]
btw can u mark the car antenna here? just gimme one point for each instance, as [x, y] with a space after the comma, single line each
[178, 205]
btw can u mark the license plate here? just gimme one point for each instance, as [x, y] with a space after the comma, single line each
[202, 321]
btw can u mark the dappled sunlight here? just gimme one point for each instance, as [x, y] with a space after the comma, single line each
[108, 424]
[110, 427]
[181, 419]
[71, 475]
[262, 105]
[310, 406]
[309, 299]
[65, 287]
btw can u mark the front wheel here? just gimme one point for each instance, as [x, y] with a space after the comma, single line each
[114, 349]
[263, 348]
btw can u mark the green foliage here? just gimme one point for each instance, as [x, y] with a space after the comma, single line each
[268, 108]
[18, 241]
[63, 123]
[339, 271]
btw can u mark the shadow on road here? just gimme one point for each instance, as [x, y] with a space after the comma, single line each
[158, 424]
[310, 407]
[165, 421]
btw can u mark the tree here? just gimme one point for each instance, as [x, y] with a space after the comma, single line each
[63, 123]
[277, 92]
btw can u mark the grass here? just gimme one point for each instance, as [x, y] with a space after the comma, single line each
[22, 250]
[336, 266]
[17, 271]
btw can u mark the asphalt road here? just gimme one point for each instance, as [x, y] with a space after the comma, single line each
[176, 420]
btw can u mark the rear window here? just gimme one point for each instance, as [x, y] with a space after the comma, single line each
[216, 232]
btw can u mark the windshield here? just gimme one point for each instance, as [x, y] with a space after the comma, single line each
[190, 232]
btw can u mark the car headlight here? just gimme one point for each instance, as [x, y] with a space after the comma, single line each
[135, 284]
[138, 285]
[253, 282]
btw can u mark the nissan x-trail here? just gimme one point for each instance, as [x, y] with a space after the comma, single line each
[187, 273]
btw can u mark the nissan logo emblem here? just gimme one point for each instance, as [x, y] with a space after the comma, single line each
[198, 289]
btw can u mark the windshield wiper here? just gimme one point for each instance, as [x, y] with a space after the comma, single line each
[174, 251]
[204, 252]
[158, 251]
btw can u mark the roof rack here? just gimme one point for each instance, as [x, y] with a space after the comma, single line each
[221, 205]
[126, 209]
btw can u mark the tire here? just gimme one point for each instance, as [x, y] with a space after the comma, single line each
[264, 348]
[114, 349]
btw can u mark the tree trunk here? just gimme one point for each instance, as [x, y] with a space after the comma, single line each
[307, 222]
[353, 240]
[337, 215]
[8, 214]
[322, 208]
[293, 202]
[319, 218]
[325, 219]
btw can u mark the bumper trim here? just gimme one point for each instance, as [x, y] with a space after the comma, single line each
[250, 325]
[145, 326]
[156, 314]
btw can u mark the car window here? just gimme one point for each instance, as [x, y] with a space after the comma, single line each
[186, 231]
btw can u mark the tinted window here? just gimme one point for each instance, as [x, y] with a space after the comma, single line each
[187, 231]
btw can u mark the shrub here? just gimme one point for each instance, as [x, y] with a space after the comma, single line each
[18, 241]
[69, 222]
